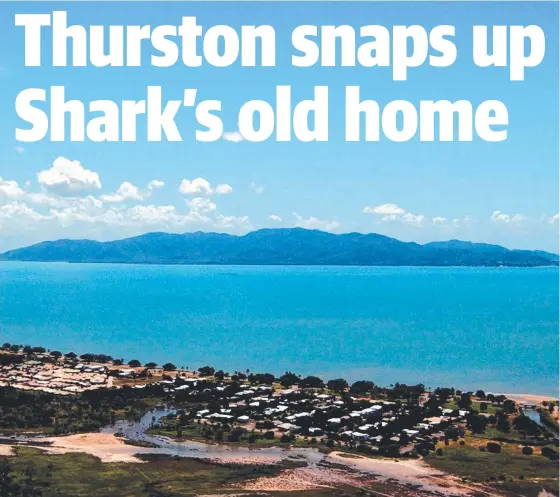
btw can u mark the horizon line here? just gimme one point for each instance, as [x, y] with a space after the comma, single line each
[557, 253]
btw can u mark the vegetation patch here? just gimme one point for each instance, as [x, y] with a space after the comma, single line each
[509, 468]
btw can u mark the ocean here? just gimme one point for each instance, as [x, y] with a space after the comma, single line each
[490, 328]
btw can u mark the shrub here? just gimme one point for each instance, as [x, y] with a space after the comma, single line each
[550, 453]
[312, 382]
[493, 447]
[206, 371]
[527, 450]
[439, 452]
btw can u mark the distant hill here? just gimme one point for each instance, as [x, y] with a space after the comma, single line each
[290, 246]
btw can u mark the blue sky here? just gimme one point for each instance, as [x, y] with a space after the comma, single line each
[503, 193]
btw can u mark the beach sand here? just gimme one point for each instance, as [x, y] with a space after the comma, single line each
[106, 447]
[303, 479]
[527, 398]
[6, 450]
[360, 470]
[405, 471]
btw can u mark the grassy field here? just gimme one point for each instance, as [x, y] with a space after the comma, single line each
[549, 420]
[193, 431]
[81, 475]
[490, 409]
[510, 469]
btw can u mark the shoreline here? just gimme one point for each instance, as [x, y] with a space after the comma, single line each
[317, 434]
[529, 398]
[280, 265]
[519, 397]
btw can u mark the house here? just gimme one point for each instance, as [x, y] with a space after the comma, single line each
[289, 427]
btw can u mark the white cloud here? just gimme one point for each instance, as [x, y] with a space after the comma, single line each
[413, 219]
[17, 211]
[233, 136]
[197, 186]
[502, 217]
[127, 191]
[20, 150]
[67, 176]
[385, 209]
[554, 219]
[258, 189]
[275, 218]
[91, 218]
[395, 213]
[28, 217]
[314, 223]
[224, 189]
[152, 214]
[155, 184]
[200, 186]
[201, 205]
[233, 223]
[10, 189]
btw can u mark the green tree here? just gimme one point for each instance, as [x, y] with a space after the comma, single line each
[338, 385]
[502, 423]
[362, 387]
[288, 379]
[312, 382]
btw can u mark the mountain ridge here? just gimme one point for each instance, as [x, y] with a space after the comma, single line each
[279, 246]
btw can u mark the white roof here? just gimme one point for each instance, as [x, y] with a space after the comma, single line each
[411, 432]
[357, 434]
[289, 426]
[371, 409]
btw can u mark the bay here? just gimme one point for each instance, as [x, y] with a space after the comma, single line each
[489, 328]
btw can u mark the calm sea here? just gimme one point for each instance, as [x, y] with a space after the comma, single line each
[495, 329]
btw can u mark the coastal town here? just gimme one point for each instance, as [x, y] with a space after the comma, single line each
[258, 410]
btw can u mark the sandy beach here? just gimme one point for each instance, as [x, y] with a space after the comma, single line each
[360, 470]
[527, 398]
[106, 447]
[6, 450]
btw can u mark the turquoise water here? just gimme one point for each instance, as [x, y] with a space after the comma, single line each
[490, 328]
